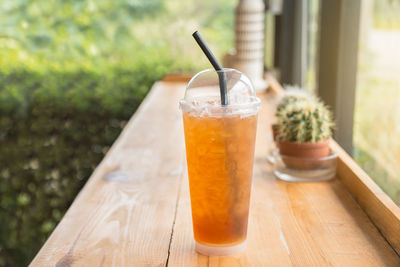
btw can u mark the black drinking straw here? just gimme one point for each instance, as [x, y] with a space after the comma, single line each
[216, 65]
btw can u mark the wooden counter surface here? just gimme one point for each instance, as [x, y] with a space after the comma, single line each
[135, 208]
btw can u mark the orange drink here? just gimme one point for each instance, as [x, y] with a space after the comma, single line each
[220, 142]
[220, 155]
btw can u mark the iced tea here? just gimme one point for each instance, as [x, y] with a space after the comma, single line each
[220, 152]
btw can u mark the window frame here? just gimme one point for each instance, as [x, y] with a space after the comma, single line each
[340, 27]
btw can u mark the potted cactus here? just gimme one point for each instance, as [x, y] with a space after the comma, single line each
[305, 128]
[293, 95]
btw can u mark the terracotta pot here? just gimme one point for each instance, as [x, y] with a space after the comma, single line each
[275, 131]
[310, 152]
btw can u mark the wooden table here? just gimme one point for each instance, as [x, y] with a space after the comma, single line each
[135, 209]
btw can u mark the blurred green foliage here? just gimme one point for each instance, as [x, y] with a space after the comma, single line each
[377, 113]
[386, 14]
[72, 72]
[55, 129]
[83, 30]
[68, 33]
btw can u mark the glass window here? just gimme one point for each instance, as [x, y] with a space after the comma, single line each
[377, 109]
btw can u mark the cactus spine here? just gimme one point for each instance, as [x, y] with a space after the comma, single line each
[304, 120]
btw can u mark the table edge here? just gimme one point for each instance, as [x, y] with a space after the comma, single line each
[379, 207]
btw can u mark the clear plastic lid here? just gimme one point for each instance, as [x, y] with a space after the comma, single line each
[202, 96]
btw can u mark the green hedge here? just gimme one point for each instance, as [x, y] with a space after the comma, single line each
[55, 127]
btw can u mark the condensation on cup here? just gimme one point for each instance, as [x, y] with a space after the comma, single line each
[220, 144]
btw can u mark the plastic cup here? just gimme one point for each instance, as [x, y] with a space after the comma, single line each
[220, 151]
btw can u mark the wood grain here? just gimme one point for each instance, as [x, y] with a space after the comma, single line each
[383, 212]
[127, 221]
[291, 224]
[178, 77]
[141, 216]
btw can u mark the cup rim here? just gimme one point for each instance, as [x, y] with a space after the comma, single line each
[254, 103]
